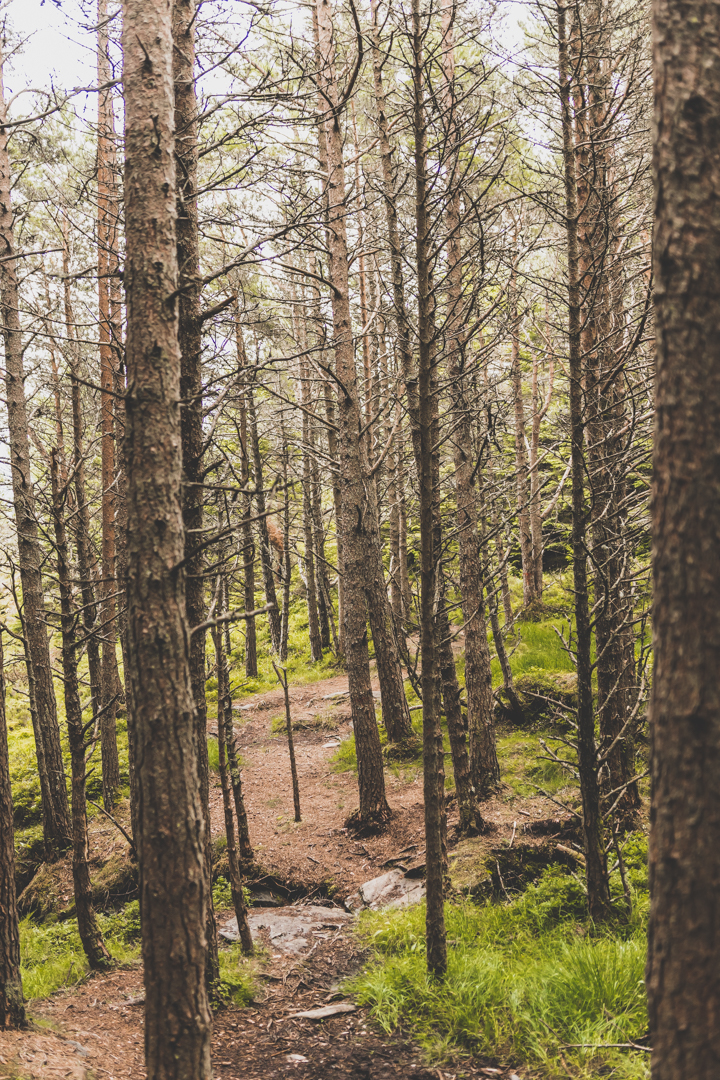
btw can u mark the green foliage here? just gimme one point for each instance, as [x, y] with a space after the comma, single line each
[222, 894]
[525, 980]
[52, 955]
[213, 755]
[236, 985]
[524, 765]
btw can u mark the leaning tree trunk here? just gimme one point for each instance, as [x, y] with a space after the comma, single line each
[170, 840]
[12, 1005]
[56, 820]
[683, 970]
[92, 941]
[190, 341]
[354, 507]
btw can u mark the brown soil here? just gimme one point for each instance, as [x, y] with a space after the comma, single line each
[91, 1032]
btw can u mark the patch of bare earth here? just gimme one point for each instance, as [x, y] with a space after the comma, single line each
[94, 1031]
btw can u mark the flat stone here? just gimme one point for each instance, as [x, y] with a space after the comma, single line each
[335, 694]
[291, 928]
[391, 890]
[324, 1012]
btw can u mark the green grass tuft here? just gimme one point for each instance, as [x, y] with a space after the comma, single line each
[525, 980]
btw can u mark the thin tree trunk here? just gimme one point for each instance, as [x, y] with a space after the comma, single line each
[224, 721]
[190, 342]
[433, 774]
[283, 679]
[56, 820]
[595, 858]
[274, 615]
[170, 840]
[106, 238]
[92, 941]
[251, 665]
[12, 1005]
[522, 480]
[316, 652]
[683, 971]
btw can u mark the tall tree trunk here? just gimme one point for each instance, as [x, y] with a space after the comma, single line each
[483, 774]
[522, 479]
[251, 666]
[274, 615]
[224, 724]
[83, 543]
[107, 260]
[355, 512]
[307, 512]
[170, 840]
[683, 970]
[190, 342]
[56, 819]
[12, 1005]
[92, 941]
[595, 858]
[433, 772]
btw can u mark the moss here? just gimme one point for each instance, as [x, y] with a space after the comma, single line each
[116, 880]
[546, 698]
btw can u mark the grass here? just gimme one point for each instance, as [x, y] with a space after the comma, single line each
[525, 980]
[52, 954]
[524, 768]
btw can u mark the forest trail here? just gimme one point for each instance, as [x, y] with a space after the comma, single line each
[94, 1031]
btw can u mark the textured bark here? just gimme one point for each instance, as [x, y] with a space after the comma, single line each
[190, 342]
[595, 859]
[265, 557]
[56, 819]
[481, 775]
[251, 668]
[224, 725]
[683, 971]
[92, 941]
[316, 649]
[433, 772]
[107, 262]
[170, 840]
[522, 477]
[12, 1005]
[85, 554]
[353, 523]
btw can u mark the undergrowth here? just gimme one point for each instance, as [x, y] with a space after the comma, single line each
[52, 954]
[527, 981]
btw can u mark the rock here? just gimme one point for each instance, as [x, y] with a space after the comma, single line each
[335, 694]
[324, 1012]
[291, 928]
[263, 898]
[391, 890]
[330, 745]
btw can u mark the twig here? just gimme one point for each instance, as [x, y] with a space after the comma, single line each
[117, 825]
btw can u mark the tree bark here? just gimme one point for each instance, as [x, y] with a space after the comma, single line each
[190, 342]
[92, 941]
[596, 877]
[265, 559]
[107, 263]
[433, 771]
[170, 840]
[683, 972]
[353, 522]
[12, 1005]
[56, 820]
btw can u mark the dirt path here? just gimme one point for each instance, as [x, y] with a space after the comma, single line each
[95, 1031]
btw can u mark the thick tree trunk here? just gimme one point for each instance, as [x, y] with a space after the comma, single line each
[595, 858]
[190, 342]
[170, 840]
[107, 262]
[92, 941]
[353, 524]
[12, 1005]
[683, 969]
[56, 819]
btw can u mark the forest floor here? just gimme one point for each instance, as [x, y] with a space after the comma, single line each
[94, 1030]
